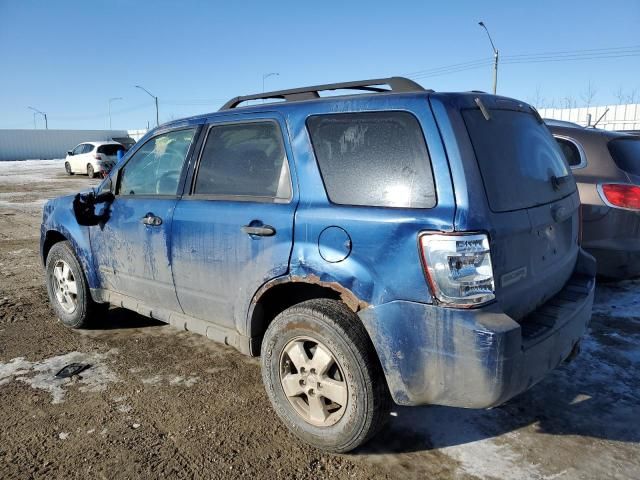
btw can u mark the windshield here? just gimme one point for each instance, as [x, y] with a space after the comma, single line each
[626, 154]
[521, 164]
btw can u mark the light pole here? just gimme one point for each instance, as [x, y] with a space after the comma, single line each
[265, 76]
[155, 98]
[46, 124]
[112, 99]
[495, 58]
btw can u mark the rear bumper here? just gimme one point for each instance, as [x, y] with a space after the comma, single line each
[477, 358]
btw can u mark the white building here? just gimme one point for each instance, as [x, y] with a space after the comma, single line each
[617, 117]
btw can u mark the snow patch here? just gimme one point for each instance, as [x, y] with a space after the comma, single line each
[41, 375]
[618, 299]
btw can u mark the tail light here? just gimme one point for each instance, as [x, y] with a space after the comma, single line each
[458, 268]
[620, 195]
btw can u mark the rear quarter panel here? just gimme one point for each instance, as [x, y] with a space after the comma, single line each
[384, 261]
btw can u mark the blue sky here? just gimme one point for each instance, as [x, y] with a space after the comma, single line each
[68, 58]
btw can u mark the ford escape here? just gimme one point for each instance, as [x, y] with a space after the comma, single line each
[393, 245]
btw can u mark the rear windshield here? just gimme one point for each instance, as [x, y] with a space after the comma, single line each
[110, 150]
[626, 154]
[375, 159]
[521, 163]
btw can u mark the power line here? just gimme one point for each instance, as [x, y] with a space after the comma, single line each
[558, 56]
[571, 52]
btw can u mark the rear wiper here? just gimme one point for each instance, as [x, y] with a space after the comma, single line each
[483, 109]
[557, 182]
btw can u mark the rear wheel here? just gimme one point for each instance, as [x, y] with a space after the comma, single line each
[323, 377]
[90, 172]
[67, 167]
[68, 289]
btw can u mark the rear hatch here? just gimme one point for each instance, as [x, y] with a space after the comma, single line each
[532, 200]
[109, 153]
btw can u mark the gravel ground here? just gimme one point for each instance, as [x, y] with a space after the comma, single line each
[158, 403]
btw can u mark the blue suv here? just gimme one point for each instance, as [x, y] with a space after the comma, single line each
[393, 245]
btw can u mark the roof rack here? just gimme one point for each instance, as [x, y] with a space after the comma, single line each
[396, 84]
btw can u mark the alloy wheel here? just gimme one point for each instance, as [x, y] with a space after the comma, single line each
[313, 381]
[65, 286]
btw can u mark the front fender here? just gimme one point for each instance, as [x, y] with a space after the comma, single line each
[58, 219]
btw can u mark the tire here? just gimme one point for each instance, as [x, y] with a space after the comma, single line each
[90, 172]
[75, 314]
[67, 167]
[337, 331]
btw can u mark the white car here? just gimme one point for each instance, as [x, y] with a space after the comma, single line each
[92, 158]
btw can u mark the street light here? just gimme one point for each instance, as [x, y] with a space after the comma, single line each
[46, 124]
[155, 98]
[112, 99]
[495, 58]
[265, 76]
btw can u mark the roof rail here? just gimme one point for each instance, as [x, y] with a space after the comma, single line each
[396, 84]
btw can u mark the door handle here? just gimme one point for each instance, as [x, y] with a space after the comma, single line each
[151, 220]
[259, 230]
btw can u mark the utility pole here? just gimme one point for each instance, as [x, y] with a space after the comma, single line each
[495, 58]
[264, 77]
[112, 99]
[156, 100]
[46, 123]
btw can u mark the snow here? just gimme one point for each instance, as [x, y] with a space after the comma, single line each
[41, 375]
[27, 171]
[618, 299]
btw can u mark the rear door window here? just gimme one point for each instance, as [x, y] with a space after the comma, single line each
[521, 163]
[244, 160]
[626, 154]
[375, 159]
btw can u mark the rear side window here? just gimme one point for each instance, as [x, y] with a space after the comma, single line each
[521, 163]
[570, 151]
[626, 154]
[246, 160]
[110, 150]
[375, 159]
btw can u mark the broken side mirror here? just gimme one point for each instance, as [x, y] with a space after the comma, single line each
[84, 204]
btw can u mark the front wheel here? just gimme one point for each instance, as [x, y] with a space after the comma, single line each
[90, 172]
[67, 167]
[323, 377]
[68, 289]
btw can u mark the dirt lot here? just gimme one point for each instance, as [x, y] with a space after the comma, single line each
[158, 403]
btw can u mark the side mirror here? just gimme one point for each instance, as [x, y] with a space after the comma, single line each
[70, 153]
[84, 205]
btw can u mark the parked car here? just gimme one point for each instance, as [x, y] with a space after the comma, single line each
[606, 166]
[400, 244]
[92, 158]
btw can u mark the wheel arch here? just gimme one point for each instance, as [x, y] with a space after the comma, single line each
[281, 293]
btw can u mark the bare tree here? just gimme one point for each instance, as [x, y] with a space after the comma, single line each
[569, 102]
[620, 95]
[537, 99]
[632, 97]
[589, 94]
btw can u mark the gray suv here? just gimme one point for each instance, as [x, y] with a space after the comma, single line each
[606, 166]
